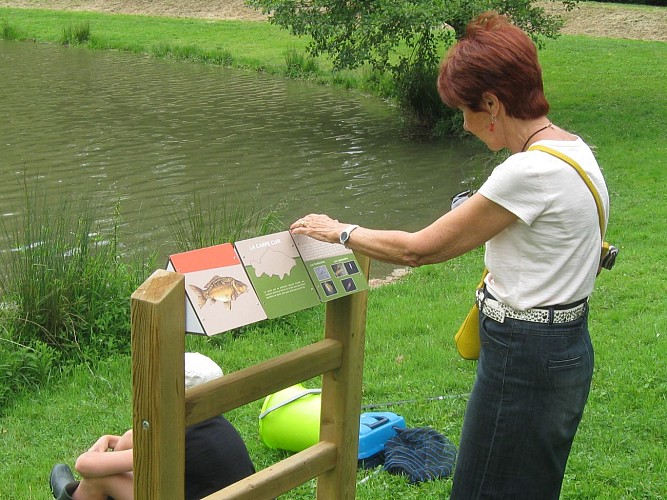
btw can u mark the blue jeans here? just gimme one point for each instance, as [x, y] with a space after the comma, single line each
[532, 384]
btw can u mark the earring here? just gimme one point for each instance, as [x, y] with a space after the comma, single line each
[492, 126]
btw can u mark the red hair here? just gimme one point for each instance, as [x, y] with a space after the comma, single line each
[494, 56]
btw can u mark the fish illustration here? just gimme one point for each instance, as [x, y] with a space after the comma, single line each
[219, 288]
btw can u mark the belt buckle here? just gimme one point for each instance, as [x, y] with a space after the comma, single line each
[493, 309]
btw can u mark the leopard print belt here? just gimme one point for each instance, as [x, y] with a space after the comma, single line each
[498, 311]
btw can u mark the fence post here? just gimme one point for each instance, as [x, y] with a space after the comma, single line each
[158, 387]
[341, 392]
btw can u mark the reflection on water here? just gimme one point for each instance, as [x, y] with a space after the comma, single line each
[149, 133]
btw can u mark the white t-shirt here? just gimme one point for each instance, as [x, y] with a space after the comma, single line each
[550, 255]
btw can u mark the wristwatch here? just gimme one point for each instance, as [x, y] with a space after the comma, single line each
[345, 235]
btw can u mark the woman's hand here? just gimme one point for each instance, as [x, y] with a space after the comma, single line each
[319, 226]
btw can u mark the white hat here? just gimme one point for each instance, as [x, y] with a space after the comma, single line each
[200, 369]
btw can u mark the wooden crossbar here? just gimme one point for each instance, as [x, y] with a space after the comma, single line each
[283, 476]
[252, 383]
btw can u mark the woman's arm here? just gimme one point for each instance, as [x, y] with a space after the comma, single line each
[455, 233]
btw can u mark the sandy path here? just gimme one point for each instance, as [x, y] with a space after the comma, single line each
[221, 9]
[593, 19]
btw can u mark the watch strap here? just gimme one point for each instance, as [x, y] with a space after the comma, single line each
[345, 234]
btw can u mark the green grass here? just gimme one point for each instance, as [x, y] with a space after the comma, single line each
[202, 224]
[252, 44]
[258, 46]
[64, 284]
[76, 34]
[9, 32]
[607, 91]
[65, 281]
[64, 278]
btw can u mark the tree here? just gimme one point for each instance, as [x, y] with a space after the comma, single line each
[402, 37]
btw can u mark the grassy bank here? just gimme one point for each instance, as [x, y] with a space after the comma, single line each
[607, 91]
[247, 45]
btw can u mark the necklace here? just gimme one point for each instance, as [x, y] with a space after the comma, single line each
[534, 134]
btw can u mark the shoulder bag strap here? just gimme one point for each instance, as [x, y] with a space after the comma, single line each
[582, 173]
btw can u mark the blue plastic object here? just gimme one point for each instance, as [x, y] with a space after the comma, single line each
[375, 429]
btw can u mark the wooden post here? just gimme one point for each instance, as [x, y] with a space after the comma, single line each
[158, 386]
[341, 392]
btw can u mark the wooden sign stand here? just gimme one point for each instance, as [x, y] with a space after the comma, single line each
[162, 409]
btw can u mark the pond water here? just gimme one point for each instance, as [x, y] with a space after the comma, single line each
[146, 134]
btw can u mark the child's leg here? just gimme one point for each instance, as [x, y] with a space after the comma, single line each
[120, 487]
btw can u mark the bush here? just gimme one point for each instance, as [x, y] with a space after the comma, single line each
[219, 57]
[64, 283]
[298, 65]
[22, 368]
[403, 38]
[8, 31]
[65, 286]
[220, 220]
[76, 35]
[417, 95]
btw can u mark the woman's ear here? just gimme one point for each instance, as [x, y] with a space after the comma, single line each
[490, 103]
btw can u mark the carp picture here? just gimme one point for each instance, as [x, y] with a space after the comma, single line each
[220, 289]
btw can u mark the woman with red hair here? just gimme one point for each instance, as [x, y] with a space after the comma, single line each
[540, 226]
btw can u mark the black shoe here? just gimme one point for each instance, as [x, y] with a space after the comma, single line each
[61, 476]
